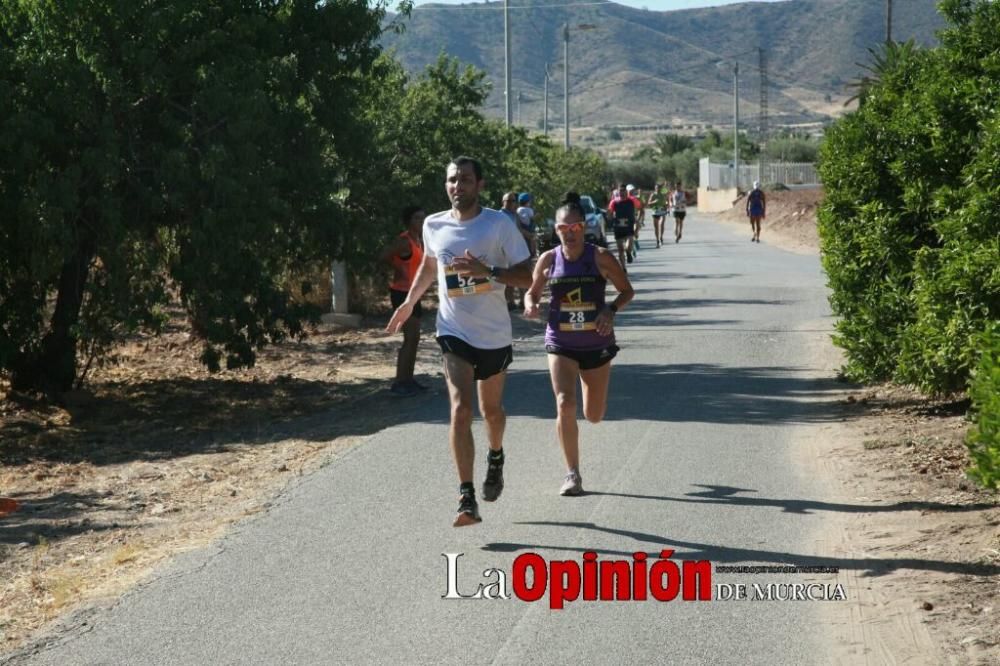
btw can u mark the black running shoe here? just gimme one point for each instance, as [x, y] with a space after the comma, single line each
[493, 485]
[468, 511]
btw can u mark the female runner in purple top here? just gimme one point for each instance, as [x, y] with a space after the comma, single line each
[580, 336]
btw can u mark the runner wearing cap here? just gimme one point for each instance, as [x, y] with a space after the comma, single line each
[526, 221]
[622, 211]
[756, 210]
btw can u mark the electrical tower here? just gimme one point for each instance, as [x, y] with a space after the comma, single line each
[762, 167]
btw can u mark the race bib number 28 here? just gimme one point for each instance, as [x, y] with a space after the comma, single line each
[459, 285]
[577, 317]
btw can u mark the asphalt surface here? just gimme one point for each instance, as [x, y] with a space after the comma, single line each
[716, 387]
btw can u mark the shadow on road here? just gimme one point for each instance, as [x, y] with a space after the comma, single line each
[696, 392]
[692, 550]
[730, 496]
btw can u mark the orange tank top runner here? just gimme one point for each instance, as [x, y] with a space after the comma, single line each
[404, 270]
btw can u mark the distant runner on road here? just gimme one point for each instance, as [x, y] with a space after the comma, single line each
[579, 336]
[678, 203]
[658, 203]
[473, 252]
[756, 210]
[635, 194]
[622, 211]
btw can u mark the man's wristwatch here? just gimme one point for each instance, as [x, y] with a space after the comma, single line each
[613, 308]
[495, 272]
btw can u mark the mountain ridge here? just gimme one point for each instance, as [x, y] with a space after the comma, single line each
[641, 67]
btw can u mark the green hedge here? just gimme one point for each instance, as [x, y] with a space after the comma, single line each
[910, 227]
[984, 438]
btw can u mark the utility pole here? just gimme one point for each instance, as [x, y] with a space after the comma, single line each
[545, 113]
[506, 61]
[566, 81]
[888, 21]
[736, 125]
[518, 107]
[762, 164]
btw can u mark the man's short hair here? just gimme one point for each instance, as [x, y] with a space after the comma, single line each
[462, 160]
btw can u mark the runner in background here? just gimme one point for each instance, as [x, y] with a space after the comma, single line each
[658, 203]
[640, 215]
[622, 211]
[405, 255]
[756, 210]
[508, 206]
[678, 204]
[526, 221]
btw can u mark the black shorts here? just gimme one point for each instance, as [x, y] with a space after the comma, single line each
[484, 362]
[623, 232]
[588, 360]
[679, 214]
[397, 297]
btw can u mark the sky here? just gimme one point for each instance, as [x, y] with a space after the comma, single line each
[654, 5]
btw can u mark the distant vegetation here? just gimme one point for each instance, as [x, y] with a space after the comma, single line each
[911, 220]
[208, 150]
[674, 157]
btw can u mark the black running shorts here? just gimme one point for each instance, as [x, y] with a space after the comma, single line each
[588, 360]
[679, 214]
[624, 231]
[485, 362]
[397, 297]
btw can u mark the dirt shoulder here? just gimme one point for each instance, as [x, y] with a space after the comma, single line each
[157, 456]
[924, 540]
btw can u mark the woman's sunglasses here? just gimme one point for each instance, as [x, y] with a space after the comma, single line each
[572, 226]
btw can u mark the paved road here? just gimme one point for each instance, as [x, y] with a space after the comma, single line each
[715, 389]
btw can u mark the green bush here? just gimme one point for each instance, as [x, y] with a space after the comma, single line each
[984, 438]
[909, 225]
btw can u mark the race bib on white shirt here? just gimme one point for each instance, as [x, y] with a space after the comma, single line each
[473, 309]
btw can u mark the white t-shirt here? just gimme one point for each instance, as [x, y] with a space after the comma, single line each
[526, 216]
[678, 201]
[473, 309]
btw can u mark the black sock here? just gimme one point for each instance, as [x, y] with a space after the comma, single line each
[496, 456]
[467, 489]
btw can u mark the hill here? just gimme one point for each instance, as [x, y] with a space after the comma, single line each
[638, 67]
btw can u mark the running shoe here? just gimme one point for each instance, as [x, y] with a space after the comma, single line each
[468, 511]
[493, 485]
[573, 485]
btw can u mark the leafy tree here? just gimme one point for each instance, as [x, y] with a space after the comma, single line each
[885, 58]
[909, 225]
[868, 235]
[793, 149]
[193, 146]
[670, 144]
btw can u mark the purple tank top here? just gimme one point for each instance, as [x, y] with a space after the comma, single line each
[577, 289]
